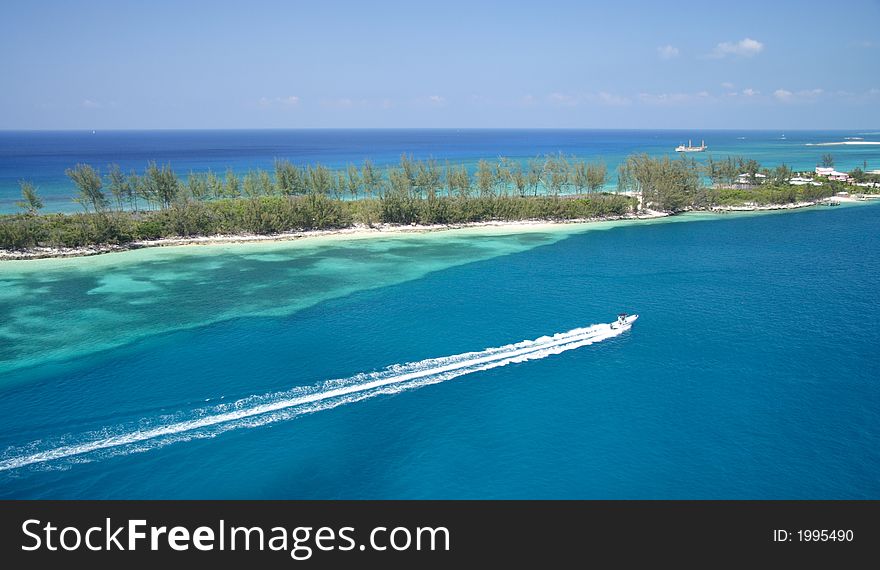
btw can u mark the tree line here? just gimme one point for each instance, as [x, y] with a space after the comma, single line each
[120, 207]
[158, 187]
[679, 184]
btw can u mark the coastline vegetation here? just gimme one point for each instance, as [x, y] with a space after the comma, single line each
[120, 207]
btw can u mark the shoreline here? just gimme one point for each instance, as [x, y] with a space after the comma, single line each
[356, 231]
[360, 231]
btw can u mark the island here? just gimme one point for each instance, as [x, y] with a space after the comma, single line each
[157, 207]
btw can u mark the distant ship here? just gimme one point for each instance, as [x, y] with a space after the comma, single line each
[691, 148]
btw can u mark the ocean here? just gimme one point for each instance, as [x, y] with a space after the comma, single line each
[42, 156]
[450, 364]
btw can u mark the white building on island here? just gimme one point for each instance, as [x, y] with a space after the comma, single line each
[801, 181]
[831, 174]
[745, 180]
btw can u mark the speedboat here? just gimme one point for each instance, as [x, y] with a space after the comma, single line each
[624, 321]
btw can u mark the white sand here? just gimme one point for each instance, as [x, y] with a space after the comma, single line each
[757, 208]
[842, 142]
[355, 232]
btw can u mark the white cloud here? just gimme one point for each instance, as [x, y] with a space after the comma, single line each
[338, 103]
[90, 104]
[746, 47]
[749, 92]
[436, 100]
[562, 99]
[611, 99]
[783, 95]
[344, 103]
[268, 103]
[667, 52]
[728, 85]
[671, 98]
[576, 99]
[870, 96]
[805, 95]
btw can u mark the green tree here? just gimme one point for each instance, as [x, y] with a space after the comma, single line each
[134, 182]
[399, 182]
[371, 179]
[320, 180]
[264, 180]
[597, 176]
[858, 175]
[485, 178]
[668, 185]
[750, 167]
[427, 178]
[502, 176]
[579, 176]
[519, 179]
[353, 181]
[533, 177]
[289, 179]
[31, 201]
[828, 160]
[781, 174]
[556, 174]
[88, 182]
[197, 186]
[214, 184]
[722, 172]
[119, 185]
[460, 182]
[232, 185]
[340, 185]
[250, 185]
[283, 176]
[162, 182]
[408, 167]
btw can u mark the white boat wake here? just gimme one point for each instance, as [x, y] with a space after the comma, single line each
[264, 409]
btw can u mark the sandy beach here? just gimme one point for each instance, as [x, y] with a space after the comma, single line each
[357, 231]
[360, 231]
[756, 208]
[841, 143]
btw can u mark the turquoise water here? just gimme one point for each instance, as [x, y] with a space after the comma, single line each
[42, 156]
[220, 372]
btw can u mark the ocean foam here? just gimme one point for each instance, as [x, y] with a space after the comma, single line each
[856, 143]
[259, 410]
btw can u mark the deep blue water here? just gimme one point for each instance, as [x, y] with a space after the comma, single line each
[42, 156]
[752, 373]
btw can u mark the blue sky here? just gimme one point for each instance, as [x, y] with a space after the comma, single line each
[162, 64]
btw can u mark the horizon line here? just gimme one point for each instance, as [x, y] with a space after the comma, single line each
[166, 129]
